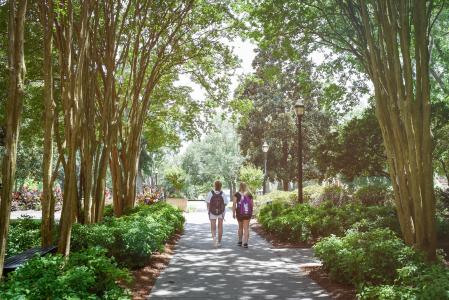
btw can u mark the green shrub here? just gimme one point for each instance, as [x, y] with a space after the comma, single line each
[371, 257]
[372, 195]
[131, 239]
[313, 222]
[415, 281]
[86, 275]
[289, 198]
[23, 234]
[252, 176]
[311, 193]
[334, 193]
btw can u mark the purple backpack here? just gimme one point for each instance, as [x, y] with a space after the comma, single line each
[246, 206]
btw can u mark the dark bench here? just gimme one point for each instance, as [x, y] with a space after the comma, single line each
[15, 261]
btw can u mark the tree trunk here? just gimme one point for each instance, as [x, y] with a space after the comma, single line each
[98, 207]
[46, 10]
[285, 184]
[14, 104]
[398, 65]
[72, 91]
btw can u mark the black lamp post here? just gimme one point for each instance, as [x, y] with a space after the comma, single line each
[265, 148]
[299, 110]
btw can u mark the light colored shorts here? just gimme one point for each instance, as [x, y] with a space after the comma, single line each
[215, 217]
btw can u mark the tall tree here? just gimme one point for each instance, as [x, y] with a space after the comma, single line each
[46, 10]
[72, 44]
[390, 41]
[14, 104]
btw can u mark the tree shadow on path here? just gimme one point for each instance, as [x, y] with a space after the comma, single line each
[198, 270]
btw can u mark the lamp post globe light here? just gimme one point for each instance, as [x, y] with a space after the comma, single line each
[299, 110]
[265, 148]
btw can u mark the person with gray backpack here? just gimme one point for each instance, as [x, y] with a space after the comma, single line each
[216, 207]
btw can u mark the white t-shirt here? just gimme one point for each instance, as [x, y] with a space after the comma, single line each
[225, 198]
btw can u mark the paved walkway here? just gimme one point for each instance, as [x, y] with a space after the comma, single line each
[198, 270]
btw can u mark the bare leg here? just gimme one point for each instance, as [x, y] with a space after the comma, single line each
[220, 229]
[213, 225]
[240, 232]
[245, 231]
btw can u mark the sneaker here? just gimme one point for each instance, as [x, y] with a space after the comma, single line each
[239, 244]
[245, 245]
[214, 241]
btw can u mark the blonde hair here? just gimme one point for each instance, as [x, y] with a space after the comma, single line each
[217, 185]
[243, 187]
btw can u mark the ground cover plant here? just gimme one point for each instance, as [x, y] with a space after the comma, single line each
[88, 274]
[132, 238]
[305, 222]
[23, 234]
[381, 266]
[359, 243]
[102, 250]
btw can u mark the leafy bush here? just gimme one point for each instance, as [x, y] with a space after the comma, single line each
[131, 239]
[252, 176]
[23, 234]
[311, 193]
[30, 199]
[86, 275]
[289, 198]
[372, 195]
[415, 281]
[176, 178]
[371, 257]
[334, 193]
[326, 219]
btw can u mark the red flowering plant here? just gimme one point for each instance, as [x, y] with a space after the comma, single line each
[149, 195]
[30, 199]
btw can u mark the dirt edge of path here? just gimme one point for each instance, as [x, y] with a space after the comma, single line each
[318, 274]
[145, 278]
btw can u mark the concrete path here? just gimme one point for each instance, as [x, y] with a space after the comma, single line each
[198, 270]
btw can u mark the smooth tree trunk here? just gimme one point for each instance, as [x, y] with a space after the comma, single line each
[46, 10]
[72, 91]
[14, 105]
[395, 50]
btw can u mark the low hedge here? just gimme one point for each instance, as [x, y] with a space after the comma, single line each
[381, 266]
[131, 239]
[88, 274]
[370, 257]
[23, 234]
[303, 222]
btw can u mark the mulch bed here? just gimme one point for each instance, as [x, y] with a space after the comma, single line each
[336, 290]
[145, 278]
[317, 273]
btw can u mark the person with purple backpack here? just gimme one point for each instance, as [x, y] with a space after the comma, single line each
[216, 206]
[242, 209]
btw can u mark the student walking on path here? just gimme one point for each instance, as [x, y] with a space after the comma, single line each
[216, 206]
[242, 209]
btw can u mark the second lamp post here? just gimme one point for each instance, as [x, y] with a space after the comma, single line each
[299, 110]
[265, 148]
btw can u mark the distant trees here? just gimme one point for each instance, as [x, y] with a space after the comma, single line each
[355, 149]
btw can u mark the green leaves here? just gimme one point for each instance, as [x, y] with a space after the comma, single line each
[133, 238]
[88, 274]
[252, 176]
